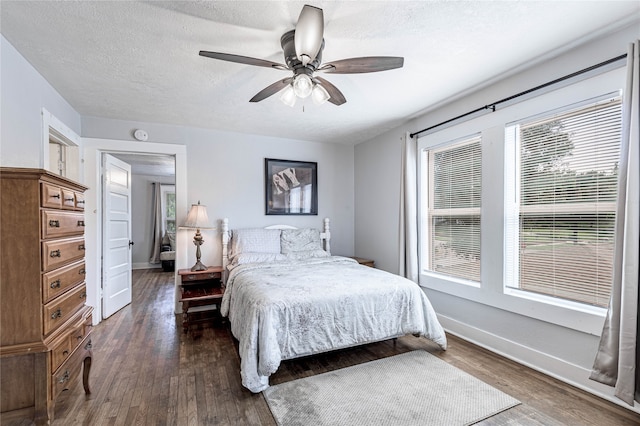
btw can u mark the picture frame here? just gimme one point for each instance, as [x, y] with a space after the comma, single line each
[291, 187]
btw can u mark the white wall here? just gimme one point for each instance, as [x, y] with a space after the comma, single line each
[560, 351]
[226, 173]
[24, 93]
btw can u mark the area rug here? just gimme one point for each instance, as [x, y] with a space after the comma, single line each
[414, 388]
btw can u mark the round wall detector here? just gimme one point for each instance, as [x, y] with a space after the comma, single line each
[141, 135]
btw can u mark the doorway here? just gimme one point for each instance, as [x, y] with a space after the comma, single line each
[94, 148]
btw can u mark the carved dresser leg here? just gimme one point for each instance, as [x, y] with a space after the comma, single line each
[86, 369]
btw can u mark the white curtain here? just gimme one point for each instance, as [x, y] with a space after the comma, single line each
[156, 223]
[617, 361]
[408, 250]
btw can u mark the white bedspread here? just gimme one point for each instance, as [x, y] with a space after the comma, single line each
[284, 310]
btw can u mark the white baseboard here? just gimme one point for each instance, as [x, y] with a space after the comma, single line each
[547, 364]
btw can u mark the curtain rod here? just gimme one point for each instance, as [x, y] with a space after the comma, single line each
[492, 106]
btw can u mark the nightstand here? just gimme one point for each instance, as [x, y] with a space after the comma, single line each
[201, 295]
[365, 262]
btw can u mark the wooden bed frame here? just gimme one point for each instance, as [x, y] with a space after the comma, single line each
[325, 239]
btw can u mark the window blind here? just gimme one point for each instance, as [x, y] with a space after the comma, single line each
[567, 173]
[455, 177]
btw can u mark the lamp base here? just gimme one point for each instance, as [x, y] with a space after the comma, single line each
[198, 267]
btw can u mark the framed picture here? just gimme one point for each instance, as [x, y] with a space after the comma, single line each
[291, 187]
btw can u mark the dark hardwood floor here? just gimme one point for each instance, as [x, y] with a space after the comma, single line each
[146, 371]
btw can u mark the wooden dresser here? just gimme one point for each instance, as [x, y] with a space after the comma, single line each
[45, 326]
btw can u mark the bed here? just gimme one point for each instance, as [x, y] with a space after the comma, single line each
[287, 297]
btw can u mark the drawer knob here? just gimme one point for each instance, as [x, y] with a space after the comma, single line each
[69, 199]
[81, 223]
[81, 271]
[55, 253]
[80, 202]
[88, 346]
[54, 223]
[80, 337]
[64, 378]
[65, 352]
[81, 247]
[55, 284]
[56, 314]
[83, 295]
[55, 196]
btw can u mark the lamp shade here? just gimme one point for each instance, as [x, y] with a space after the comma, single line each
[319, 94]
[288, 96]
[197, 217]
[308, 35]
[302, 85]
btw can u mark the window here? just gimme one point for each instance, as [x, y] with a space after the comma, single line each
[560, 189]
[168, 208]
[60, 149]
[452, 223]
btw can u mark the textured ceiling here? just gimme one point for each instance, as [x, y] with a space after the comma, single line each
[139, 60]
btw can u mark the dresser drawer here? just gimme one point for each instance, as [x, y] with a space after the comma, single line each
[73, 338]
[62, 308]
[60, 353]
[58, 281]
[79, 201]
[56, 253]
[56, 223]
[78, 334]
[68, 199]
[67, 373]
[50, 195]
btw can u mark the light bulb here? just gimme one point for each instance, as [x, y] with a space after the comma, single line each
[288, 96]
[302, 85]
[319, 94]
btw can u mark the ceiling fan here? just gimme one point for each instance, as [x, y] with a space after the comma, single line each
[302, 48]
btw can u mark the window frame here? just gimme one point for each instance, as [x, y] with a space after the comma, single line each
[426, 174]
[514, 209]
[491, 291]
[164, 190]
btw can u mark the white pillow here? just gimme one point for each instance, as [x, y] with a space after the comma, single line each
[300, 240]
[255, 240]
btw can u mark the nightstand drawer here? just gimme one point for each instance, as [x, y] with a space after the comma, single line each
[58, 252]
[62, 308]
[58, 281]
[202, 276]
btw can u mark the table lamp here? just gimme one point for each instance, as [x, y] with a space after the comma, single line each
[197, 219]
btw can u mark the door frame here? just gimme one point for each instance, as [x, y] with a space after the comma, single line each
[93, 149]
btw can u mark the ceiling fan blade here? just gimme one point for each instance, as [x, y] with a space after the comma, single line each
[272, 89]
[309, 33]
[243, 60]
[363, 65]
[336, 96]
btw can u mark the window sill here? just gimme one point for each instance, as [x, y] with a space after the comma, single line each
[576, 316]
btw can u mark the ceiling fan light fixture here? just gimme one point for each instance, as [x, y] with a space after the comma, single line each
[309, 32]
[288, 96]
[319, 94]
[302, 85]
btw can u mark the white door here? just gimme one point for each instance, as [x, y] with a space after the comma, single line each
[116, 238]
